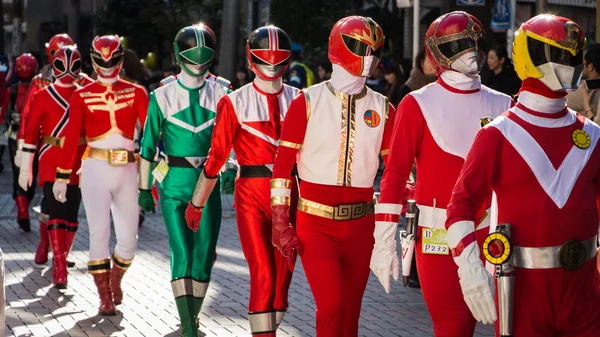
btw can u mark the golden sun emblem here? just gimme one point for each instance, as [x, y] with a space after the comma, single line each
[497, 248]
[581, 139]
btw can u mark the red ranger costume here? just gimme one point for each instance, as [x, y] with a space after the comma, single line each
[48, 119]
[436, 126]
[106, 111]
[40, 81]
[543, 162]
[335, 132]
[250, 119]
[14, 101]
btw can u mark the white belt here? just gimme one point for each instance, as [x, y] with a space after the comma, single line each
[433, 217]
[547, 257]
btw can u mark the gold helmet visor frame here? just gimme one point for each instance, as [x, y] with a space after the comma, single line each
[434, 42]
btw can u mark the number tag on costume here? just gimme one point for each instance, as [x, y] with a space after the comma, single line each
[434, 241]
[160, 172]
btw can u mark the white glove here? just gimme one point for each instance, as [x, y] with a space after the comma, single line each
[25, 172]
[385, 262]
[478, 291]
[476, 282]
[19, 152]
[60, 191]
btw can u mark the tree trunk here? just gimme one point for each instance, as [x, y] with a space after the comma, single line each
[74, 17]
[229, 41]
[16, 33]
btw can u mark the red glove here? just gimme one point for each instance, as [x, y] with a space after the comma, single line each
[409, 194]
[193, 215]
[154, 195]
[284, 236]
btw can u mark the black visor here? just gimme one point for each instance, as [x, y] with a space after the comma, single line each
[258, 61]
[452, 48]
[59, 65]
[360, 48]
[542, 53]
[76, 66]
[106, 64]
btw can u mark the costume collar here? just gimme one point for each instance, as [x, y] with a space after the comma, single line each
[107, 80]
[58, 83]
[191, 82]
[266, 87]
[541, 105]
[346, 83]
[459, 83]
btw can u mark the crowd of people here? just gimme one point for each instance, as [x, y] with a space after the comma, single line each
[506, 172]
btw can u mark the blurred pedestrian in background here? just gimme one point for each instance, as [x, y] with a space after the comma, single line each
[501, 76]
[585, 100]
[420, 75]
[241, 78]
[323, 72]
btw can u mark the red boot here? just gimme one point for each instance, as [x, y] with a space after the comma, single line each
[57, 234]
[70, 238]
[23, 212]
[120, 266]
[41, 253]
[100, 269]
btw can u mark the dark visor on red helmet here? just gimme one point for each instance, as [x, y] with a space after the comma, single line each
[114, 61]
[451, 48]
[360, 48]
[542, 53]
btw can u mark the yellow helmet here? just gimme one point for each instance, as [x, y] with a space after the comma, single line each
[550, 48]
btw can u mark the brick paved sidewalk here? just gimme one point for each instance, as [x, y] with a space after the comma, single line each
[34, 308]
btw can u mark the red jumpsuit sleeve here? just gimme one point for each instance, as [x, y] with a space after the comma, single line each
[388, 129]
[224, 131]
[33, 88]
[32, 129]
[292, 137]
[405, 144]
[141, 103]
[72, 132]
[474, 184]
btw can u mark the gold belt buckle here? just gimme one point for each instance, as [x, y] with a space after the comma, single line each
[572, 255]
[349, 212]
[118, 157]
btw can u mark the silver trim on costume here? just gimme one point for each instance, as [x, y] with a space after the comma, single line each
[279, 316]
[182, 287]
[146, 178]
[547, 257]
[262, 322]
[203, 189]
[199, 288]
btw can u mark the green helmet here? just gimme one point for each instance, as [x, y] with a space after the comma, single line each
[195, 49]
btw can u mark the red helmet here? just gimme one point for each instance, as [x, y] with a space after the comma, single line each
[56, 42]
[456, 41]
[268, 50]
[550, 48]
[67, 64]
[356, 44]
[107, 55]
[26, 66]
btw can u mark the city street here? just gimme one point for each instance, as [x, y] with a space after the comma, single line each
[35, 308]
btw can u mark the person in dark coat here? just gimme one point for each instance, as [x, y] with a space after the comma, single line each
[502, 76]
[420, 75]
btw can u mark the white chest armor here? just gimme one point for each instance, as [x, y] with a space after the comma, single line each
[343, 136]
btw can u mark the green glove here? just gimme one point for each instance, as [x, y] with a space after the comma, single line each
[146, 201]
[228, 181]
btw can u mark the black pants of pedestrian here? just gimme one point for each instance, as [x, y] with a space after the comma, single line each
[64, 211]
[17, 190]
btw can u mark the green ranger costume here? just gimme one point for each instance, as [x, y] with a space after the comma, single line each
[182, 114]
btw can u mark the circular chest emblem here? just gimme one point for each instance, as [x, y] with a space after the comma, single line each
[581, 139]
[485, 121]
[372, 118]
[497, 248]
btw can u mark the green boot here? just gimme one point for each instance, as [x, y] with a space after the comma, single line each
[186, 308]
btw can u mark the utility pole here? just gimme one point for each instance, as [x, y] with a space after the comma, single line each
[228, 52]
[597, 21]
[541, 7]
[16, 31]
[510, 33]
[73, 27]
[416, 28]
[2, 31]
